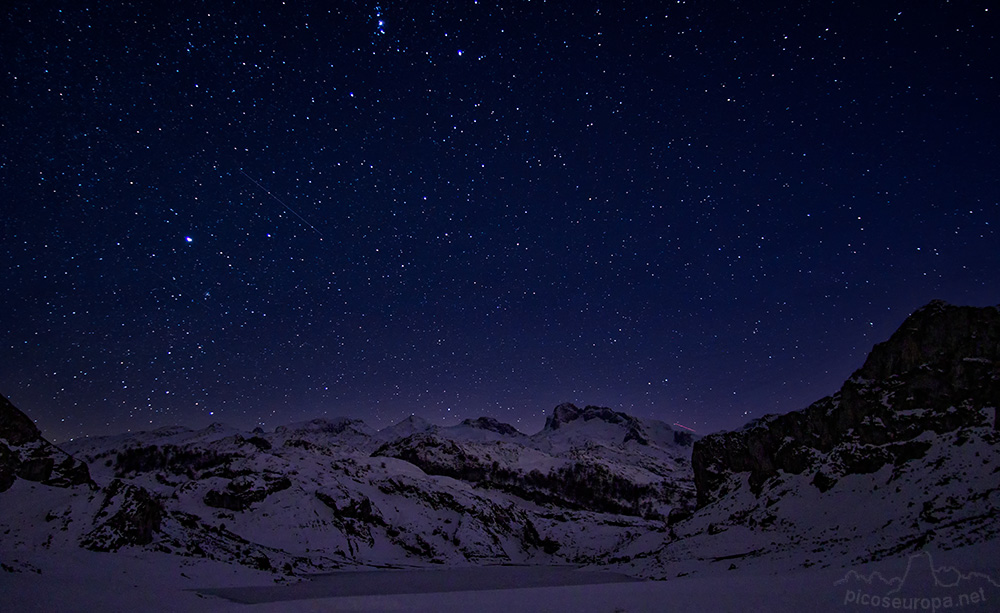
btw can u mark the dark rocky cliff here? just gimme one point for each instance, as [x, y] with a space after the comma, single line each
[24, 454]
[939, 372]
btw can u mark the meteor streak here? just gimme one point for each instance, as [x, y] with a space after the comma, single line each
[281, 202]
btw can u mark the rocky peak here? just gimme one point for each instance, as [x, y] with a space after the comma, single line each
[492, 425]
[409, 426]
[938, 373]
[416, 422]
[938, 334]
[16, 428]
[166, 431]
[562, 414]
[334, 426]
[567, 412]
[24, 454]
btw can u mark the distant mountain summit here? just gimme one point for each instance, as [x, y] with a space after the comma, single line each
[569, 425]
[567, 413]
[328, 426]
[409, 426]
[492, 425]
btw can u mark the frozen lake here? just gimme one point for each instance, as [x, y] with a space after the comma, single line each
[81, 580]
[423, 581]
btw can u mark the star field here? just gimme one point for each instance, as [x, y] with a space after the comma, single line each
[701, 212]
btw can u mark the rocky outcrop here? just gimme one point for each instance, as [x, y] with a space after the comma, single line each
[129, 515]
[24, 454]
[192, 462]
[942, 335]
[243, 491]
[492, 425]
[489, 529]
[567, 412]
[326, 426]
[16, 428]
[435, 455]
[938, 373]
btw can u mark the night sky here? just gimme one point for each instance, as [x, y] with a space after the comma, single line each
[258, 212]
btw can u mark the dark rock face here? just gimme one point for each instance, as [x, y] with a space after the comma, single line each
[260, 443]
[171, 459]
[337, 426]
[939, 372]
[945, 335]
[16, 428]
[492, 425]
[684, 439]
[362, 509]
[243, 491]
[8, 468]
[562, 414]
[567, 412]
[24, 454]
[129, 515]
[436, 455]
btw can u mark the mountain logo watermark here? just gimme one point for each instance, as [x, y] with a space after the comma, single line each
[922, 587]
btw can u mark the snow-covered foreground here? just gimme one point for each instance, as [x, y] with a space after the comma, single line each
[968, 579]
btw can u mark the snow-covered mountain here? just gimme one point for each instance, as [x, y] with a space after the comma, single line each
[591, 459]
[904, 456]
[327, 494]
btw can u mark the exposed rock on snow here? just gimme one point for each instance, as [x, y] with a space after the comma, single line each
[24, 454]
[488, 424]
[938, 373]
[129, 515]
[243, 491]
[611, 465]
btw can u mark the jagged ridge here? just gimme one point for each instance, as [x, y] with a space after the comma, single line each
[939, 372]
[24, 454]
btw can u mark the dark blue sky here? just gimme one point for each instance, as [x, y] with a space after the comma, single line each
[701, 212]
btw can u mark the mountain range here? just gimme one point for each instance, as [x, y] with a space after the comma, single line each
[904, 455]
